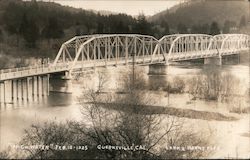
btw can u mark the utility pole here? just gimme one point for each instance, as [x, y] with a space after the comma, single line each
[133, 72]
[168, 83]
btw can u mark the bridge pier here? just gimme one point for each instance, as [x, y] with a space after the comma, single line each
[45, 83]
[158, 76]
[61, 83]
[8, 91]
[40, 88]
[14, 90]
[25, 89]
[29, 88]
[2, 92]
[34, 87]
[158, 69]
[19, 89]
[213, 60]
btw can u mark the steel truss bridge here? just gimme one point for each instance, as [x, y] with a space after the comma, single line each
[118, 49]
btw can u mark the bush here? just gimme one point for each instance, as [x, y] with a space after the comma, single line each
[214, 85]
[176, 86]
[104, 126]
[4, 61]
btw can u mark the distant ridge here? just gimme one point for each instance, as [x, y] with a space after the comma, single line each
[203, 11]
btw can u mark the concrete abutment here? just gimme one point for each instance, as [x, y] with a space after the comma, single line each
[61, 82]
[158, 69]
[213, 60]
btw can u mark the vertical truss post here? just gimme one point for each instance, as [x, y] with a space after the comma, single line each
[94, 52]
[135, 48]
[76, 45]
[82, 59]
[239, 40]
[201, 43]
[126, 50]
[158, 54]
[151, 49]
[164, 45]
[179, 46]
[196, 43]
[109, 48]
[182, 45]
[99, 51]
[88, 52]
[143, 49]
[105, 50]
[63, 56]
[116, 51]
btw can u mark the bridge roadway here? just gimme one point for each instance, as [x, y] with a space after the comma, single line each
[30, 71]
[84, 52]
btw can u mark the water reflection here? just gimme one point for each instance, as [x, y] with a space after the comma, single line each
[60, 107]
[57, 99]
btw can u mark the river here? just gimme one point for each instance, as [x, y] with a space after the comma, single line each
[61, 107]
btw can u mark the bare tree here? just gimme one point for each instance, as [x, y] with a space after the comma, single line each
[133, 80]
[128, 124]
[214, 85]
[102, 81]
[116, 127]
[4, 154]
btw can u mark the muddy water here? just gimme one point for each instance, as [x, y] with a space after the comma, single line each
[60, 107]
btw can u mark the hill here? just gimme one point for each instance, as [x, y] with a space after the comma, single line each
[37, 28]
[203, 12]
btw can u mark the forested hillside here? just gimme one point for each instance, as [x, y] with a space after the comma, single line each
[35, 29]
[201, 13]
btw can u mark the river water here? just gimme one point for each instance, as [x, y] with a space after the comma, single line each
[61, 107]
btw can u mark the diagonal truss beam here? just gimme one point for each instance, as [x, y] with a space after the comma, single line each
[120, 47]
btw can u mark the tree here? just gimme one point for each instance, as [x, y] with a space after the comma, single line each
[228, 25]
[4, 61]
[142, 26]
[181, 28]
[122, 28]
[100, 27]
[12, 19]
[29, 31]
[202, 29]
[53, 29]
[23, 25]
[102, 81]
[214, 28]
[1, 35]
[195, 29]
[90, 22]
[214, 85]
[165, 25]
[205, 28]
[243, 22]
[117, 128]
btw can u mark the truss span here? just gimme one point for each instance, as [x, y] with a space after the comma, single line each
[114, 49]
[192, 46]
[119, 48]
[105, 48]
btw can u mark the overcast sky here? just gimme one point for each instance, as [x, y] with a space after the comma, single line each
[132, 7]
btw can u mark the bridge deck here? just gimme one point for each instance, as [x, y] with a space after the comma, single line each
[16, 73]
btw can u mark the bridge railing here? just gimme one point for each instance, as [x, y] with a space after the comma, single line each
[171, 47]
[31, 71]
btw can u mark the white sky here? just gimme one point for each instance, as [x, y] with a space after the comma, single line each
[132, 7]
